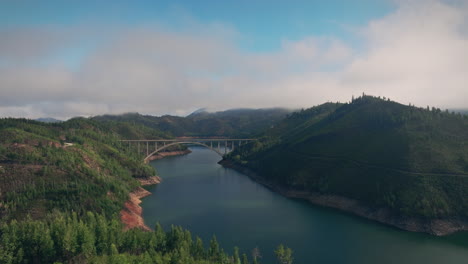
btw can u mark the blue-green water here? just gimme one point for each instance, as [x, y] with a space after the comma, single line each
[201, 195]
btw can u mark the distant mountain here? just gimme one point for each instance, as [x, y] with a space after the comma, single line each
[48, 120]
[230, 123]
[395, 160]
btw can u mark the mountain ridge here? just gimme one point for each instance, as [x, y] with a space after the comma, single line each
[234, 122]
[411, 160]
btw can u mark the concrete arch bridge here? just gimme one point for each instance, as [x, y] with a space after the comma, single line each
[221, 146]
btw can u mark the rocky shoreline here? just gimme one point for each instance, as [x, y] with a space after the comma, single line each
[131, 214]
[438, 227]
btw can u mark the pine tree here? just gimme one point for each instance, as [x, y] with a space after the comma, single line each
[198, 250]
[160, 236]
[213, 251]
[245, 260]
[236, 256]
[284, 255]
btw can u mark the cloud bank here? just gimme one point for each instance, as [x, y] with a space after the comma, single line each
[417, 54]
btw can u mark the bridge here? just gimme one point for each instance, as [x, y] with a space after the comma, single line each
[218, 145]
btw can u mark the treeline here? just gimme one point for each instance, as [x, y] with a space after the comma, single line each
[95, 239]
[229, 123]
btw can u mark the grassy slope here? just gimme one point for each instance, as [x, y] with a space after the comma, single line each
[413, 160]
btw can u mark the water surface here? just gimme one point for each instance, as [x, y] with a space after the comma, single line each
[201, 195]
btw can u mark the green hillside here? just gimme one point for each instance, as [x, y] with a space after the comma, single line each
[62, 186]
[39, 169]
[230, 123]
[382, 153]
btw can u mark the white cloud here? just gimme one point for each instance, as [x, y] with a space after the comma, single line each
[29, 44]
[417, 54]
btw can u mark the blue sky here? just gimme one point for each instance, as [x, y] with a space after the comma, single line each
[262, 23]
[67, 58]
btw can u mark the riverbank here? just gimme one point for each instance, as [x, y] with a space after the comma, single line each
[162, 155]
[131, 214]
[438, 227]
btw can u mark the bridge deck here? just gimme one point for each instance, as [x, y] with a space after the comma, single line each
[227, 143]
[188, 140]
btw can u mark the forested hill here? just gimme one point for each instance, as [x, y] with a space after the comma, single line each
[379, 152]
[79, 159]
[230, 123]
[62, 186]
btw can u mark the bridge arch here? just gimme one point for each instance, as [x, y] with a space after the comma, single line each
[177, 143]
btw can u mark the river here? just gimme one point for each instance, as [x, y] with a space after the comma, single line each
[202, 196]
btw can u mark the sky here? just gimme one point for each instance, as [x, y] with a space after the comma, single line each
[84, 58]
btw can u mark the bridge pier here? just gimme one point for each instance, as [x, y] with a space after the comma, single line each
[147, 148]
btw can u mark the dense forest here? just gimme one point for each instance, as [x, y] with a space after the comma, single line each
[411, 160]
[93, 238]
[62, 186]
[230, 123]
